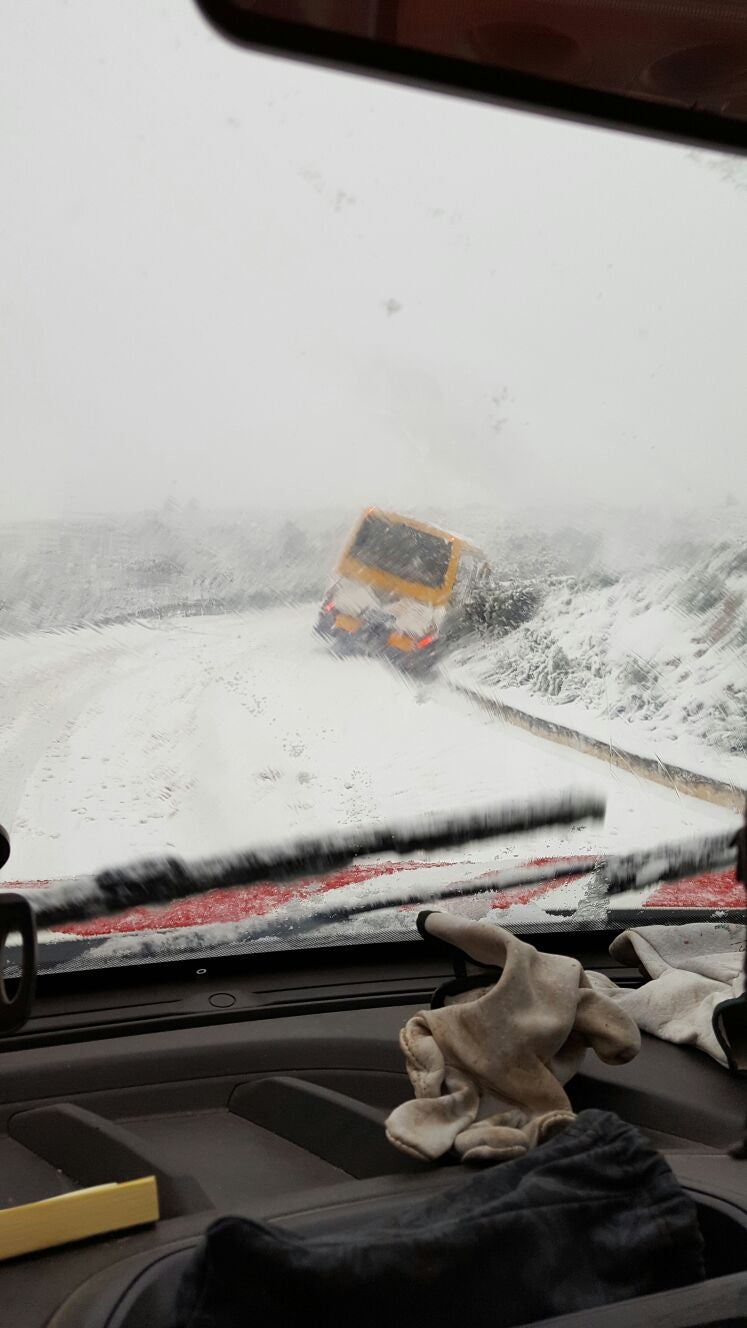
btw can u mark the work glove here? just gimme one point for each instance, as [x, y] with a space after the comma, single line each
[692, 969]
[488, 1068]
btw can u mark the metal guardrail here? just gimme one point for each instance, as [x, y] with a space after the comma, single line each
[674, 777]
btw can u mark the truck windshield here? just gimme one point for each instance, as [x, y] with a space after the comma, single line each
[271, 376]
[400, 550]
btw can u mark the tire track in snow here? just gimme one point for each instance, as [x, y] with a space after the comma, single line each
[46, 684]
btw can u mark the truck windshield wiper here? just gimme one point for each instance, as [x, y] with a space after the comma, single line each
[162, 880]
[290, 921]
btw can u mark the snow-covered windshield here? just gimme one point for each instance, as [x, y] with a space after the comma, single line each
[246, 300]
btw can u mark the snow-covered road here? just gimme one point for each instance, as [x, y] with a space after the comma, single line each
[201, 734]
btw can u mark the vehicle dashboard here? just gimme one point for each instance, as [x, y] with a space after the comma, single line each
[260, 1087]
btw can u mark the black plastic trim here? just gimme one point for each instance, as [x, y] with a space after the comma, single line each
[502, 87]
[16, 915]
[345, 1132]
[93, 1151]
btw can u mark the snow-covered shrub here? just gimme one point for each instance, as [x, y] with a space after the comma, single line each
[496, 611]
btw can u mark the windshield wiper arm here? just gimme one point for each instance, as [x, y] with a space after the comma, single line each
[162, 880]
[300, 917]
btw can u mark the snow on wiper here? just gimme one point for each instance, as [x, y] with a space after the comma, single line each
[162, 880]
[670, 862]
[298, 918]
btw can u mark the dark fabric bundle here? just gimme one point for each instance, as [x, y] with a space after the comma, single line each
[591, 1217]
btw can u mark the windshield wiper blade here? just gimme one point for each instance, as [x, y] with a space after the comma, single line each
[162, 880]
[670, 862]
[615, 874]
[291, 921]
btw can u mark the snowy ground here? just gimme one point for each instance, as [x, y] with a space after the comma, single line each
[196, 735]
[639, 638]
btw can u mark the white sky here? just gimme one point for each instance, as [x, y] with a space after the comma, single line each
[235, 279]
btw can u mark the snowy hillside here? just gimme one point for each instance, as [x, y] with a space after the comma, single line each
[654, 661]
[93, 571]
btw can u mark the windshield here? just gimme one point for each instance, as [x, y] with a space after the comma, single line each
[245, 300]
[402, 551]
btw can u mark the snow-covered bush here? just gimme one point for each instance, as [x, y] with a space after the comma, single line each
[497, 610]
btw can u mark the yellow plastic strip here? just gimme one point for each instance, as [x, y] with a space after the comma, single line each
[76, 1216]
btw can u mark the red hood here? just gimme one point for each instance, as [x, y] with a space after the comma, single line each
[712, 891]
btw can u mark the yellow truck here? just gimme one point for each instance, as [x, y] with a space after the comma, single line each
[400, 588]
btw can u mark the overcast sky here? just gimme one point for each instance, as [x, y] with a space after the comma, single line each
[229, 278]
